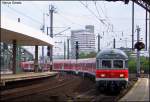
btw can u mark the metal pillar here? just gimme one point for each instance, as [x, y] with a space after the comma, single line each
[51, 11]
[138, 53]
[98, 42]
[43, 59]
[149, 40]
[132, 25]
[43, 29]
[19, 54]
[149, 34]
[36, 59]
[146, 30]
[14, 56]
[67, 48]
[64, 50]
[114, 44]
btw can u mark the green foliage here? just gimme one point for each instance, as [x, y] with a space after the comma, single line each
[144, 61]
[82, 55]
[132, 65]
[89, 55]
[145, 64]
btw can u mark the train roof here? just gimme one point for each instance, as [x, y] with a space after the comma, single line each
[112, 54]
[87, 60]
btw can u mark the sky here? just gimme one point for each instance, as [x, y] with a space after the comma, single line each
[115, 15]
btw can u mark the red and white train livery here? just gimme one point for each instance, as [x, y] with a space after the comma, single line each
[109, 68]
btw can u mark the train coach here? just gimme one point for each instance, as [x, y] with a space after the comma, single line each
[109, 68]
[85, 66]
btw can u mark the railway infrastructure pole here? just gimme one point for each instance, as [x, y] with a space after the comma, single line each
[43, 30]
[68, 48]
[114, 44]
[149, 37]
[132, 25]
[64, 50]
[146, 30]
[51, 11]
[138, 53]
[99, 42]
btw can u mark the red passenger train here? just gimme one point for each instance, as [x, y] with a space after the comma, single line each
[109, 68]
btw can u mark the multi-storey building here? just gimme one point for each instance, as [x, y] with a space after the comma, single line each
[85, 38]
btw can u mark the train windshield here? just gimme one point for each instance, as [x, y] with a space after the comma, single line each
[106, 63]
[118, 64]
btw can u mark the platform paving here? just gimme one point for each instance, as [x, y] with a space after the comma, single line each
[24, 76]
[139, 92]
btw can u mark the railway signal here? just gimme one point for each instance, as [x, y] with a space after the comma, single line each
[48, 51]
[139, 46]
[77, 50]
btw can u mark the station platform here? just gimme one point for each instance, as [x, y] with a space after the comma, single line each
[139, 92]
[24, 76]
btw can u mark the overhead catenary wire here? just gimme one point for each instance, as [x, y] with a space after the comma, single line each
[21, 13]
[92, 13]
[106, 18]
[72, 22]
[36, 7]
[95, 4]
[103, 11]
[68, 19]
[97, 9]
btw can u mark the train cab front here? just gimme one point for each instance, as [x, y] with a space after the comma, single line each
[111, 78]
[111, 69]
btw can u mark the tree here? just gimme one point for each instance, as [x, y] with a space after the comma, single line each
[82, 55]
[89, 55]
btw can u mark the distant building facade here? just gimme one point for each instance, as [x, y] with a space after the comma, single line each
[85, 38]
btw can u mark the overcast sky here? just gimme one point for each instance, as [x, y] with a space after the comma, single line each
[75, 15]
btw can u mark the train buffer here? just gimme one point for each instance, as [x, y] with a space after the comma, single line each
[139, 92]
[24, 76]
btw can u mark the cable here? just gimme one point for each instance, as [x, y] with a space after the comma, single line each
[92, 13]
[97, 9]
[35, 6]
[66, 18]
[103, 12]
[106, 18]
[24, 15]
[69, 19]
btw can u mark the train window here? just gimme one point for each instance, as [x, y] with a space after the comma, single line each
[126, 64]
[98, 64]
[118, 64]
[106, 63]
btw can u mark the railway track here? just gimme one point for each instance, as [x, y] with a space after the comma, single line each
[66, 87]
[34, 89]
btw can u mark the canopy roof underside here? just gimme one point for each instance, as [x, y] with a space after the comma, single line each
[23, 34]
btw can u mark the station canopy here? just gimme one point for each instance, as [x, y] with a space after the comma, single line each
[23, 34]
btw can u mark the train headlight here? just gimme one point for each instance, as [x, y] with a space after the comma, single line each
[121, 75]
[103, 75]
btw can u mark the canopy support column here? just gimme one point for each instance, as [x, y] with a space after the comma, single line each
[36, 59]
[14, 56]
